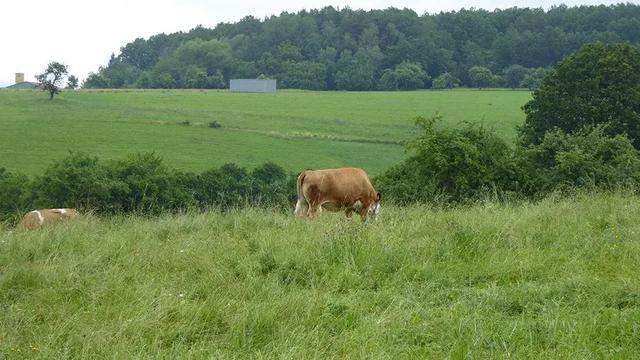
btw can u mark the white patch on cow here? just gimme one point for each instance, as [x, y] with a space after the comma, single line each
[40, 217]
[357, 205]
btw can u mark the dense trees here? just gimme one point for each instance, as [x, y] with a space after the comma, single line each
[364, 50]
[600, 84]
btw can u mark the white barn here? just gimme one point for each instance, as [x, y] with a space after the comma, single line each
[253, 85]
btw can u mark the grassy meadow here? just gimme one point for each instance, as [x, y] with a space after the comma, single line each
[295, 129]
[556, 279]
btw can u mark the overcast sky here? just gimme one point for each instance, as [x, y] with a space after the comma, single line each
[83, 33]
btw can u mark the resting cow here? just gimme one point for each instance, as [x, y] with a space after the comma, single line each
[346, 189]
[39, 218]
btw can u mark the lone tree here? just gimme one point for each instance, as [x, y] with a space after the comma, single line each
[72, 82]
[600, 84]
[50, 80]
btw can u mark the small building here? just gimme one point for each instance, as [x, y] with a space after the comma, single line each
[253, 85]
[21, 84]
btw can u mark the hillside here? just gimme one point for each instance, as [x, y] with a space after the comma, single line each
[557, 279]
[348, 49]
[295, 129]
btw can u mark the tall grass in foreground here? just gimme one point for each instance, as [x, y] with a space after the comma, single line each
[556, 279]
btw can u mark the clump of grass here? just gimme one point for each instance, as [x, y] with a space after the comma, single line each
[554, 279]
[214, 124]
[185, 123]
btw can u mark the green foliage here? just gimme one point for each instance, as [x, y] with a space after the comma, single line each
[481, 77]
[405, 76]
[101, 81]
[445, 81]
[72, 82]
[50, 80]
[13, 194]
[450, 165]
[142, 184]
[586, 159]
[600, 84]
[514, 75]
[533, 78]
[357, 70]
[307, 49]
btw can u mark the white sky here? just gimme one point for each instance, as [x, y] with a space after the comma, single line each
[85, 32]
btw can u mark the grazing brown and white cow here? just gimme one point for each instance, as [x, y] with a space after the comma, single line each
[38, 218]
[345, 189]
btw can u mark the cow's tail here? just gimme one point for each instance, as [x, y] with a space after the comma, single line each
[301, 203]
[299, 183]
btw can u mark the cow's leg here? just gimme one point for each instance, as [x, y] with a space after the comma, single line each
[302, 207]
[313, 210]
[349, 212]
[364, 210]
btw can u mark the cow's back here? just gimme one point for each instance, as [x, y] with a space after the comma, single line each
[343, 186]
[38, 218]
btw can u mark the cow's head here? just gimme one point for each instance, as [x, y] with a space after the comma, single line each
[374, 208]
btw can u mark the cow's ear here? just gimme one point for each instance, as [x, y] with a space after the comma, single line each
[379, 196]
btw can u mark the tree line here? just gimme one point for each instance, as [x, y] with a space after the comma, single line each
[346, 49]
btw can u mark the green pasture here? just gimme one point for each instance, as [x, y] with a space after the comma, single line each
[295, 129]
[556, 279]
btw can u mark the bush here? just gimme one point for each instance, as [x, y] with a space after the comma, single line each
[450, 165]
[271, 186]
[445, 81]
[140, 183]
[405, 76]
[587, 159]
[514, 75]
[224, 188]
[600, 84]
[481, 77]
[13, 195]
[79, 181]
[533, 78]
[144, 184]
[214, 125]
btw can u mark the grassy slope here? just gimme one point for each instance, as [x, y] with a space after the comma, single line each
[295, 129]
[556, 279]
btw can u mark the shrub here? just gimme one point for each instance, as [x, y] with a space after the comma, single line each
[481, 77]
[13, 195]
[450, 165]
[225, 188]
[405, 76]
[514, 75]
[600, 84]
[79, 181]
[586, 159]
[533, 78]
[146, 185]
[445, 81]
[271, 186]
[214, 125]
[140, 183]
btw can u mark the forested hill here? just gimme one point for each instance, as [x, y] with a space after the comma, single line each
[367, 50]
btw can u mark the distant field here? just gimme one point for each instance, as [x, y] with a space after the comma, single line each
[295, 129]
[556, 279]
